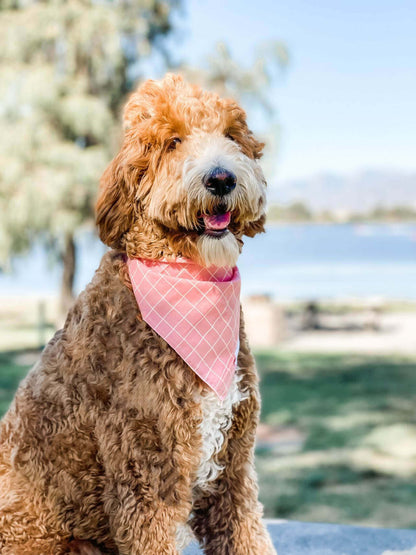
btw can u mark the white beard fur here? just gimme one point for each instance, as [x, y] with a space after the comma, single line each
[219, 251]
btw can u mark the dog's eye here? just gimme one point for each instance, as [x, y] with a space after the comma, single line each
[174, 143]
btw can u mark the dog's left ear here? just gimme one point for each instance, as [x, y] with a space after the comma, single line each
[253, 228]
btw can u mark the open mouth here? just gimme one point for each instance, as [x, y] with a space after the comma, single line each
[216, 224]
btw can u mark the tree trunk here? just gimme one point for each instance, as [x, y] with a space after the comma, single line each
[67, 285]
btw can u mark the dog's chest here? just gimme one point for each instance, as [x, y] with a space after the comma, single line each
[217, 418]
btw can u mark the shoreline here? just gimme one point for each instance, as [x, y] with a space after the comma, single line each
[277, 223]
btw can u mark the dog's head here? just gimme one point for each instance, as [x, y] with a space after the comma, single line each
[186, 181]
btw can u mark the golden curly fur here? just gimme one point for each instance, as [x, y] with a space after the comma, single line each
[100, 448]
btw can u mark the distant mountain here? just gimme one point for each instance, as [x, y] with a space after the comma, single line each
[355, 193]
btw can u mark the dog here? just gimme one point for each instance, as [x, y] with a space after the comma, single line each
[113, 444]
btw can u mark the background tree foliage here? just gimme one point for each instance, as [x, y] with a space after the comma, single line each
[65, 68]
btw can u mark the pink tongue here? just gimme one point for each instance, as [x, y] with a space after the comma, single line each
[217, 221]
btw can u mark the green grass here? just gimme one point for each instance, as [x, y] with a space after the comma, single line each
[358, 461]
[357, 414]
[307, 389]
[11, 372]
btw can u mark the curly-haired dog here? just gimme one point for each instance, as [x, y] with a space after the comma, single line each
[113, 444]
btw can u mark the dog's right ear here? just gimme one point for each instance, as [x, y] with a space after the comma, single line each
[120, 183]
[115, 203]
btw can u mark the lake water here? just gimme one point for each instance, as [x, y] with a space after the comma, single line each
[288, 262]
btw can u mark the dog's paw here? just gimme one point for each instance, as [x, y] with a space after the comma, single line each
[80, 547]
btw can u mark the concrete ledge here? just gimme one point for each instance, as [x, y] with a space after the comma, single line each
[303, 538]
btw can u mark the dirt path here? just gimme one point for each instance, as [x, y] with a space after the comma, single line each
[397, 335]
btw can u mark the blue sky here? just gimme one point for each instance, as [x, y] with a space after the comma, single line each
[348, 99]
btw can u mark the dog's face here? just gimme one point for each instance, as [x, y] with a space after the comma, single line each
[187, 180]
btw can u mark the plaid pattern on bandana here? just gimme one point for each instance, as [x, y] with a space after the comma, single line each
[195, 310]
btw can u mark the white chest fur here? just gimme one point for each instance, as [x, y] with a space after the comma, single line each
[217, 417]
[216, 421]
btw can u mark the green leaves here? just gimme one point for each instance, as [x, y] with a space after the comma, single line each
[64, 72]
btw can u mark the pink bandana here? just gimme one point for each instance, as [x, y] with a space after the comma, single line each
[194, 309]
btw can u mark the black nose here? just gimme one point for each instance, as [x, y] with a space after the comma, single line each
[220, 182]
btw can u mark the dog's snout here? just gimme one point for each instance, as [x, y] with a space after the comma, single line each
[220, 182]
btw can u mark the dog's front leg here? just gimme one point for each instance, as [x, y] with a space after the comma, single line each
[227, 517]
[139, 530]
[149, 464]
[145, 510]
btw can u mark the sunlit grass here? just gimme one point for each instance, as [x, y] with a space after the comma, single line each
[358, 461]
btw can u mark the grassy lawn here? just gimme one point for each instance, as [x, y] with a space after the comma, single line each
[11, 372]
[356, 416]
